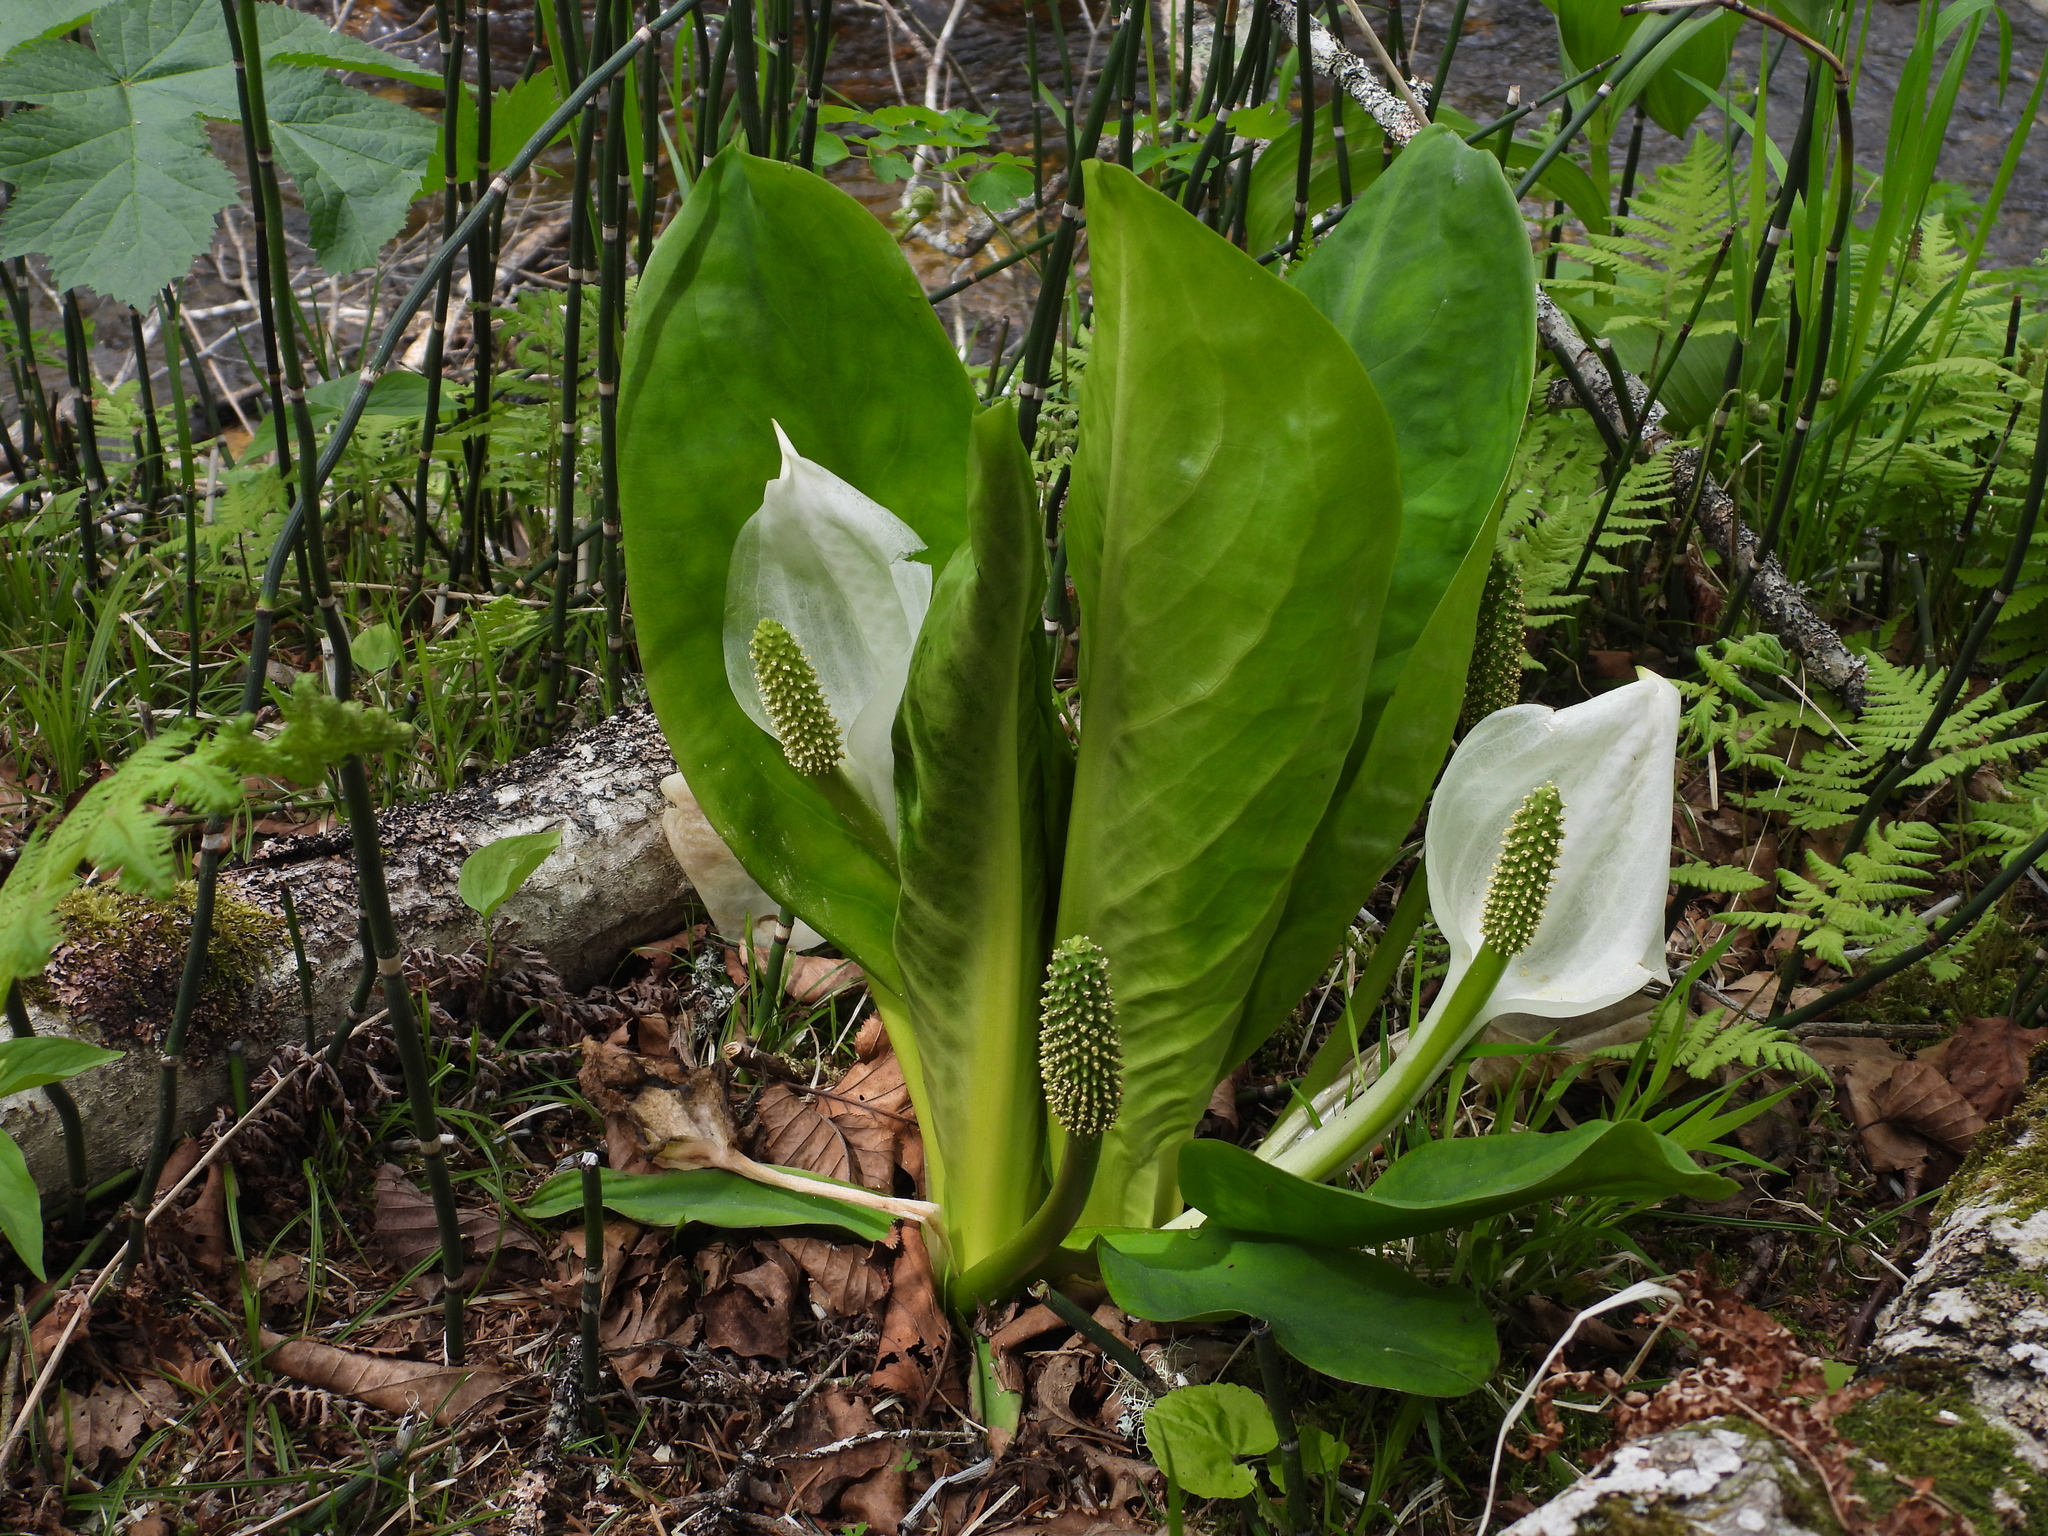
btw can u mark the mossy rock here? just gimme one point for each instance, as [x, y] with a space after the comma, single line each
[116, 973]
[1924, 1426]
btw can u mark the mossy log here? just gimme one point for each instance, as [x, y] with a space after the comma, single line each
[611, 884]
[1961, 1360]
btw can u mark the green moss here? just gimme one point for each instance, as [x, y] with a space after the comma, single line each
[1620, 1515]
[2019, 1172]
[118, 968]
[1924, 1425]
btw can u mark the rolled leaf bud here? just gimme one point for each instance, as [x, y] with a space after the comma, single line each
[796, 704]
[1494, 680]
[1524, 871]
[1080, 1054]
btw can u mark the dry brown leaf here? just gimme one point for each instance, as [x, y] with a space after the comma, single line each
[201, 1228]
[750, 1313]
[280, 1278]
[111, 1417]
[448, 1392]
[1986, 1060]
[914, 1328]
[681, 1119]
[815, 1481]
[815, 1135]
[1058, 1376]
[844, 1279]
[621, 1239]
[806, 979]
[658, 1307]
[1860, 1068]
[407, 1232]
[1033, 1322]
[51, 1327]
[1918, 1098]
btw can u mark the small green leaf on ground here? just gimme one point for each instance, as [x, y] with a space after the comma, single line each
[491, 874]
[1196, 1435]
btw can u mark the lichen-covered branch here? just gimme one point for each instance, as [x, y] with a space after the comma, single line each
[1785, 610]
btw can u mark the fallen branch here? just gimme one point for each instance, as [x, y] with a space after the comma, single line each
[612, 884]
[1778, 602]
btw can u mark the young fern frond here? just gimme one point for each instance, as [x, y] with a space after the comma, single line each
[1717, 1039]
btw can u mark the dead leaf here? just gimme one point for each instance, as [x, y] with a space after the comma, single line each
[1612, 665]
[43, 1337]
[448, 1392]
[812, 1134]
[621, 1237]
[1052, 1394]
[201, 1228]
[1917, 1097]
[1033, 1322]
[815, 1481]
[844, 1279]
[914, 1328]
[806, 979]
[1986, 1060]
[1860, 1068]
[407, 1231]
[279, 1278]
[750, 1313]
[112, 1417]
[184, 1157]
[658, 1307]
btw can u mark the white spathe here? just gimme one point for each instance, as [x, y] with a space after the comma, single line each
[1602, 934]
[832, 566]
[729, 893]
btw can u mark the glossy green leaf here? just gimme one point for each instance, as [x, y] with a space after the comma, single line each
[1591, 30]
[21, 1206]
[1234, 510]
[36, 1060]
[1197, 1433]
[709, 1195]
[1429, 278]
[491, 874]
[517, 113]
[971, 929]
[1269, 199]
[774, 296]
[1348, 1315]
[1444, 1184]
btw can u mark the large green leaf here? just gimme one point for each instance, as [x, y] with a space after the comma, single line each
[971, 928]
[1591, 30]
[1348, 1315]
[113, 182]
[1234, 512]
[34, 1061]
[1443, 1184]
[1269, 199]
[21, 1206]
[1429, 278]
[709, 1195]
[774, 296]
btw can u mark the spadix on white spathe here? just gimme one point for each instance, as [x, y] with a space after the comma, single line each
[832, 566]
[1601, 935]
[733, 897]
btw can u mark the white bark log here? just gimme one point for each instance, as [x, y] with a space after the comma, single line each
[1970, 1328]
[612, 884]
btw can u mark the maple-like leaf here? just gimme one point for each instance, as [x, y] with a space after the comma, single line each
[114, 184]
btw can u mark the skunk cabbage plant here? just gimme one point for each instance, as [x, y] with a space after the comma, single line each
[1076, 921]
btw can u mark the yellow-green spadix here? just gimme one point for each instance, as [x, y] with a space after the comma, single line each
[831, 568]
